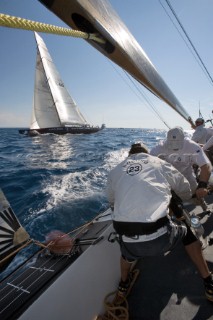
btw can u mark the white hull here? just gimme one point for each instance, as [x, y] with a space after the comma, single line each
[79, 292]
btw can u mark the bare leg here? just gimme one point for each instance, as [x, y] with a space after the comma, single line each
[194, 251]
[125, 268]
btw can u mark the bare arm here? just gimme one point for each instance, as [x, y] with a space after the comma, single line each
[205, 172]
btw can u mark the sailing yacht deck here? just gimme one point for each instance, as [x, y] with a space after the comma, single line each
[170, 287]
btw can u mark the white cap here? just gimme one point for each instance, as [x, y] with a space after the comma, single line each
[199, 121]
[175, 139]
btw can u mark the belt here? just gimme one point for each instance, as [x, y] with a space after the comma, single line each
[131, 229]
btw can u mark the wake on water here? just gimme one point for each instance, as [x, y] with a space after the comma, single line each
[58, 182]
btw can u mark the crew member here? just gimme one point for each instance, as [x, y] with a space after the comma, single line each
[139, 190]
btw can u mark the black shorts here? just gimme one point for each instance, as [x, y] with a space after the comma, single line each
[176, 232]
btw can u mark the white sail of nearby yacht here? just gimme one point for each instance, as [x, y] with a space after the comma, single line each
[54, 110]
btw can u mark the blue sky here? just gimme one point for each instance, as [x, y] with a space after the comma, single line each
[101, 89]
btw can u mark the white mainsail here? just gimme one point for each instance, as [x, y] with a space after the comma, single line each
[53, 106]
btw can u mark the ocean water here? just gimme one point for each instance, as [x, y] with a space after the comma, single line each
[58, 182]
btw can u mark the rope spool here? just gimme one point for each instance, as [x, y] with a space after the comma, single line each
[24, 24]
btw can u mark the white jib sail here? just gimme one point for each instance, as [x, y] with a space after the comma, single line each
[53, 106]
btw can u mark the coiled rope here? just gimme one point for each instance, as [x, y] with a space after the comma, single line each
[116, 304]
[116, 309]
[24, 24]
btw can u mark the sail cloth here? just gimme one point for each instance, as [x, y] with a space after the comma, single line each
[121, 47]
[53, 106]
[12, 234]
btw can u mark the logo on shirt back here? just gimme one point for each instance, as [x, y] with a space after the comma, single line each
[133, 169]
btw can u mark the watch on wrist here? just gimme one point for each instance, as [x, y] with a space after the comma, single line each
[202, 184]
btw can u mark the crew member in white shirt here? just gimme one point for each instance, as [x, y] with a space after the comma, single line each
[208, 149]
[208, 144]
[201, 134]
[183, 153]
[139, 190]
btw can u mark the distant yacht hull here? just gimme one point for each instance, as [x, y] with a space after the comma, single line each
[54, 110]
[60, 130]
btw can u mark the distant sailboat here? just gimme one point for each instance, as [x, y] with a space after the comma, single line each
[54, 111]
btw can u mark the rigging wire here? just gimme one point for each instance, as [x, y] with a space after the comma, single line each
[141, 93]
[194, 52]
[200, 114]
[148, 101]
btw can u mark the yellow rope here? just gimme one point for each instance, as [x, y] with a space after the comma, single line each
[20, 23]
